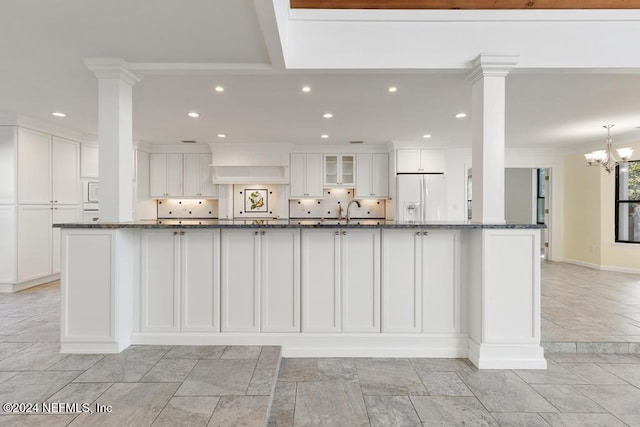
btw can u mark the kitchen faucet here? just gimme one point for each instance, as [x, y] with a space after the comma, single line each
[349, 208]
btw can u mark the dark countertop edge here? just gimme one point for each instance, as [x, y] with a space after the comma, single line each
[392, 225]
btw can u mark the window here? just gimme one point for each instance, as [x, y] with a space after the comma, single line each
[628, 202]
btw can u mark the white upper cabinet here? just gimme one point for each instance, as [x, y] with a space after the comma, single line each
[306, 175]
[34, 167]
[89, 161]
[339, 170]
[65, 171]
[48, 169]
[372, 175]
[165, 175]
[181, 175]
[420, 161]
[198, 181]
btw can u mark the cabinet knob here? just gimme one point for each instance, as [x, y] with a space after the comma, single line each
[55, 201]
[175, 233]
[255, 233]
[344, 233]
[425, 233]
[182, 233]
[263, 232]
[337, 233]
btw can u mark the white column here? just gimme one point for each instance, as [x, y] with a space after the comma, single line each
[488, 141]
[115, 136]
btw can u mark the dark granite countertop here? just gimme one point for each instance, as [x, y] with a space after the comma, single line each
[289, 223]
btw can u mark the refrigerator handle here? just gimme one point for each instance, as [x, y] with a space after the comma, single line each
[422, 199]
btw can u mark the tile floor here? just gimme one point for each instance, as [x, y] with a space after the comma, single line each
[226, 386]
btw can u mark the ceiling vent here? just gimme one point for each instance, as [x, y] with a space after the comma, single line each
[188, 141]
[356, 142]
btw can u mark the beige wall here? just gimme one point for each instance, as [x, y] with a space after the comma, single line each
[589, 217]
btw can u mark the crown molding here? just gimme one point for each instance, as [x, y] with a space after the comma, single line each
[112, 68]
[487, 65]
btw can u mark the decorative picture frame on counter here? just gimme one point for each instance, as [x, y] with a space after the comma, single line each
[92, 192]
[256, 200]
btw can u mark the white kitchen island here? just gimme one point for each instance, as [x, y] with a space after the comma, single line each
[370, 289]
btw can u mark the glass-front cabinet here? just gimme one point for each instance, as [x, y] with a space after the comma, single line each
[339, 170]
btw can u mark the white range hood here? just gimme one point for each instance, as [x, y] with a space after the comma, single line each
[250, 163]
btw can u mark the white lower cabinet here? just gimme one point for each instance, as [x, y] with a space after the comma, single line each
[340, 280]
[260, 283]
[34, 242]
[61, 214]
[180, 284]
[420, 283]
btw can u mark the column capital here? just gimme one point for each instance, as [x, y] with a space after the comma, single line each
[112, 68]
[491, 65]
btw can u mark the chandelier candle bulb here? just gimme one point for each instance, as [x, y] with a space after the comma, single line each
[607, 158]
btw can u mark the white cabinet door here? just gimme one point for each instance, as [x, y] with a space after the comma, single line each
[208, 188]
[298, 187]
[9, 233]
[306, 175]
[280, 280]
[240, 283]
[401, 281]
[160, 277]
[372, 175]
[320, 256]
[174, 175]
[441, 285]
[200, 280]
[192, 175]
[89, 161]
[65, 171]
[61, 214]
[432, 161]
[34, 241]
[408, 161]
[158, 175]
[8, 164]
[34, 167]
[360, 280]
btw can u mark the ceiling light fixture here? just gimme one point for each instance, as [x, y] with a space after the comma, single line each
[327, 115]
[461, 115]
[393, 89]
[607, 158]
[219, 89]
[426, 135]
[324, 136]
[58, 114]
[193, 115]
[222, 135]
[306, 88]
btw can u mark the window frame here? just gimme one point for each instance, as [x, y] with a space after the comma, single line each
[618, 202]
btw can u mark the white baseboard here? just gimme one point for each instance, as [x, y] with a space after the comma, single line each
[601, 267]
[507, 356]
[16, 287]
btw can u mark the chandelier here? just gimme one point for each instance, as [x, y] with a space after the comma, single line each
[607, 158]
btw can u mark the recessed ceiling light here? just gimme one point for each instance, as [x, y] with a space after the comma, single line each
[393, 89]
[426, 135]
[327, 115]
[461, 115]
[306, 88]
[193, 114]
[219, 89]
[324, 136]
[58, 114]
[222, 135]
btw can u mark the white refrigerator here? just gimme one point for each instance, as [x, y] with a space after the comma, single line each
[421, 197]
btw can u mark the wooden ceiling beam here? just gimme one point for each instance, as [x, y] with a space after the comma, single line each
[465, 4]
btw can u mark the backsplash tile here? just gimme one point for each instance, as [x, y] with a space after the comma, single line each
[187, 208]
[328, 206]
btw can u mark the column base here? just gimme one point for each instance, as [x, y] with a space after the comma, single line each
[507, 356]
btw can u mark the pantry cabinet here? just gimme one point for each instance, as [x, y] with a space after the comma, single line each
[179, 278]
[165, 172]
[306, 175]
[372, 176]
[260, 280]
[339, 170]
[420, 161]
[420, 283]
[341, 280]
